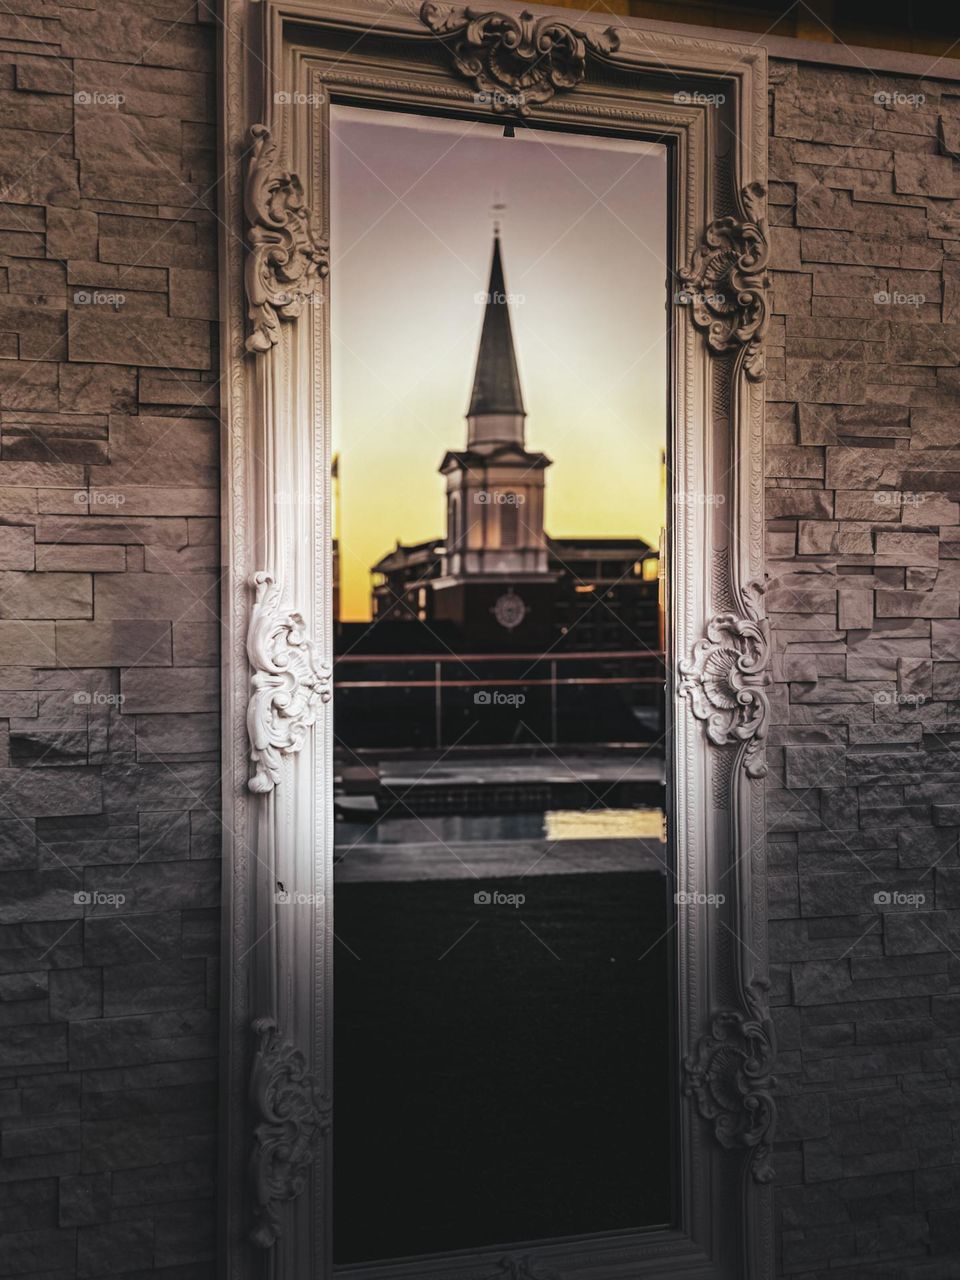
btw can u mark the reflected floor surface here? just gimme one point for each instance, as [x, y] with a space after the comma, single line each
[502, 1061]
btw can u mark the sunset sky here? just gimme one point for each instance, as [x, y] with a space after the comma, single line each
[584, 236]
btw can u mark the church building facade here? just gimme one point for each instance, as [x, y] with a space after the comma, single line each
[498, 580]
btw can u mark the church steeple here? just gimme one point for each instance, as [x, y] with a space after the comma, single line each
[496, 411]
[495, 487]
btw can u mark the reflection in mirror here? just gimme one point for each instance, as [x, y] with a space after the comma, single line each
[503, 910]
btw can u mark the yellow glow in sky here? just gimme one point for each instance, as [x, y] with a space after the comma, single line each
[584, 239]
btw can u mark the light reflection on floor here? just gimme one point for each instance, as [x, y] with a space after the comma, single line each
[457, 846]
[554, 824]
[604, 824]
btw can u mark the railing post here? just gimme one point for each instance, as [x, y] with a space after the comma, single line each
[438, 704]
[553, 702]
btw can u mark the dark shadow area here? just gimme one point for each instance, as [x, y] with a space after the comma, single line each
[502, 1071]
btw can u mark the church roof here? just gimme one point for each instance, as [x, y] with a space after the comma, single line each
[480, 459]
[496, 383]
[405, 552]
[612, 547]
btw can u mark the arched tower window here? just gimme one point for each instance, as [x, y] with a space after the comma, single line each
[455, 522]
[509, 520]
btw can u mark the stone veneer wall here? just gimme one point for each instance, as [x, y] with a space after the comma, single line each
[109, 556]
[109, 585]
[863, 464]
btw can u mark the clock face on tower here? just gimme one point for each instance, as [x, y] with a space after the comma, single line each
[509, 610]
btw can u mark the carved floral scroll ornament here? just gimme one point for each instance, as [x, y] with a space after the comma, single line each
[727, 282]
[516, 61]
[729, 1073]
[285, 262]
[287, 1122]
[727, 677]
[287, 686]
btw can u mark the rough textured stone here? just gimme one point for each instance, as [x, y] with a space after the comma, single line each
[926, 175]
[107, 448]
[870, 1018]
[154, 985]
[181, 689]
[81, 559]
[193, 293]
[114, 644]
[184, 598]
[196, 644]
[917, 604]
[907, 548]
[945, 639]
[855, 609]
[36, 793]
[863, 473]
[45, 595]
[114, 1248]
[16, 547]
[84, 1199]
[872, 506]
[148, 450]
[110, 529]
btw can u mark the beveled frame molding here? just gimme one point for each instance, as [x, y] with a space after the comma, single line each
[276, 1045]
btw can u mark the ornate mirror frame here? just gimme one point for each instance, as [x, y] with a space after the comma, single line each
[708, 102]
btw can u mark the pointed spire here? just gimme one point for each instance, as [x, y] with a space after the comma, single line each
[496, 383]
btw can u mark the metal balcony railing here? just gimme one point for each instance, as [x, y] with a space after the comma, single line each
[552, 672]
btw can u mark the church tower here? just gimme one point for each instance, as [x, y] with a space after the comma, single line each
[495, 486]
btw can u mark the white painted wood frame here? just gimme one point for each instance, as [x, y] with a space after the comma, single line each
[707, 101]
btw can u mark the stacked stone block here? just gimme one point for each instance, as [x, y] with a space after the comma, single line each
[863, 527]
[109, 582]
[109, 600]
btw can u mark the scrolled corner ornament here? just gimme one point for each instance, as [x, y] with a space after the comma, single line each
[287, 686]
[730, 1074]
[727, 677]
[516, 61]
[727, 284]
[288, 1120]
[285, 262]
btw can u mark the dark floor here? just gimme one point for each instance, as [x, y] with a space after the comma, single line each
[502, 1072]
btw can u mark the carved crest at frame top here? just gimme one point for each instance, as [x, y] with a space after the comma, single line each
[516, 61]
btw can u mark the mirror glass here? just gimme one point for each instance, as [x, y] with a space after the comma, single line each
[503, 905]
